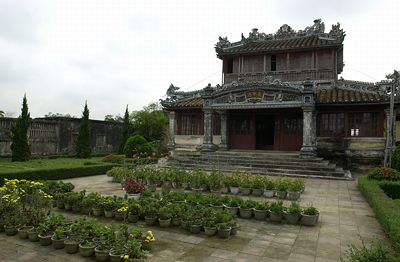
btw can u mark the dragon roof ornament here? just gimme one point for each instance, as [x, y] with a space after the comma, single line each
[284, 32]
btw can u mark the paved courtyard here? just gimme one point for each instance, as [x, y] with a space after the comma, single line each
[345, 219]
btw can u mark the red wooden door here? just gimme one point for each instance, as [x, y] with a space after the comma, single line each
[288, 133]
[241, 131]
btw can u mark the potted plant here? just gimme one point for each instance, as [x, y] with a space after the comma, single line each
[133, 210]
[71, 245]
[33, 234]
[196, 225]
[281, 187]
[269, 186]
[90, 202]
[165, 216]
[257, 188]
[214, 182]
[261, 211]
[59, 237]
[103, 240]
[246, 184]
[122, 211]
[309, 216]
[294, 190]
[47, 228]
[11, 223]
[293, 213]
[134, 250]
[147, 241]
[234, 227]
[117, 251]
[276, 211]
[23, 231]
[177, 211]
[210, 225]
[109, 204]
[59, 197]
[86, 248]
[150, 213]
[246, 208]
[224, 230]
[133, 188]
[45, 235]
[233, 205]
[234, 183]
[216, 203]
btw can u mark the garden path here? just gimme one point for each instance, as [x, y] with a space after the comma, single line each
[345, 219]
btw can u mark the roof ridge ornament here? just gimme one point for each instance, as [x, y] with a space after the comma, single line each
[284, 32]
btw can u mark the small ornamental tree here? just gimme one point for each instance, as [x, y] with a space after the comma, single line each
[20, 149]
[83, 148]
[126, 131]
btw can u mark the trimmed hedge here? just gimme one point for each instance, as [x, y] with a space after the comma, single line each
[392, 189]
[385, 208]
[58, 173]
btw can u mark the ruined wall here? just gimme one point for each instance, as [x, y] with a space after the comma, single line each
[57, 136]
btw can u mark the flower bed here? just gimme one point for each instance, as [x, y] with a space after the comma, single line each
[243, 183]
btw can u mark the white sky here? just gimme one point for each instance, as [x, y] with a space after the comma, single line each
[113, 53]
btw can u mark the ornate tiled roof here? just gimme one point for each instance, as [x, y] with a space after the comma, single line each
[339, 92]
[348, 96]
[285, 38]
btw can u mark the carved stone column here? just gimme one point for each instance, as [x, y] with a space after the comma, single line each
[224, 130]
[208, 131]
[309, 148]
[171, 130]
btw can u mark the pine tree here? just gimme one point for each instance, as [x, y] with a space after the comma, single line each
[83, 148]
[126, 131]
[20, 148]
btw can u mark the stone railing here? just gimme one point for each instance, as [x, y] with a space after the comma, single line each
[326, 74]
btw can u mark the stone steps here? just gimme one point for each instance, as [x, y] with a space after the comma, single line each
[260, 162]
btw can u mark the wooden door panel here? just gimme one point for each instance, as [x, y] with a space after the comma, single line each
[241, 132]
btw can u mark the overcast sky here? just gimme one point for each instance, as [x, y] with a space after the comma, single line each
[113, 53]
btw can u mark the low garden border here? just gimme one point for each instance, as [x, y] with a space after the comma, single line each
[385, 208]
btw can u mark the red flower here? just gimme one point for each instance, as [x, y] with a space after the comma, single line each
[131, 186]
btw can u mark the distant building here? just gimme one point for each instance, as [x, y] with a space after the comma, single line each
[281, 92]
[57, 136]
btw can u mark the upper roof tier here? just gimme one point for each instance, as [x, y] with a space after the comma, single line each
[284, 39]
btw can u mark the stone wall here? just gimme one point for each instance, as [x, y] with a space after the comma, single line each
[355, 153]
[57, 136]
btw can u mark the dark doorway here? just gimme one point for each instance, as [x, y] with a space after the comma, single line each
[265, 132]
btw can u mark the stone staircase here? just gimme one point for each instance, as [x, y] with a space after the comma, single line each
[273, 163]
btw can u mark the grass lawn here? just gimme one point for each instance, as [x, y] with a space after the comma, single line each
[6, 166]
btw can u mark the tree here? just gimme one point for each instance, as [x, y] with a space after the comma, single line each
[150, 122]
[126, 131]
[2, 113]
[83, 148]
[20, 149]
[114, 119]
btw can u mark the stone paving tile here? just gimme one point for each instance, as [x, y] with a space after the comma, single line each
[345, 219]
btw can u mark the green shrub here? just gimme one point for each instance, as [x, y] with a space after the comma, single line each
[384, 173]
[392, 189]
[386, 209]
[59, 173]
[111, 158]
[137, 145]
[396, 158]
[364, 254]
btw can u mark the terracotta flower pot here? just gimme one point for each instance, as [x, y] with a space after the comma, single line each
[97, 212]
[245, 191]
[133, 218]
[309, 220]
[165, 222]
[195, 229]
[246, 212]
[260, 214]
[293, 195]
[275, 217]
[257, 191]
[108, 213]
[269, 193]
[150, 221]
[33, 235]
[292, 218]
